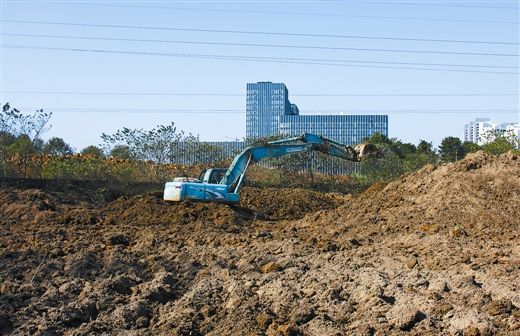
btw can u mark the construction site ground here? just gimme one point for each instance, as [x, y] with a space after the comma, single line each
[434, 252]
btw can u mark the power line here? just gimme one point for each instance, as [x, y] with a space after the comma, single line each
[307, 61]
[268, 1]
[412, 95]
[433, 4]
[285, 46]
[239, 111]
[258, 32]
[221, 10]
[168, 1]
[484, 94]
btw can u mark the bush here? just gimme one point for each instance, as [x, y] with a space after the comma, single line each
[93, 151]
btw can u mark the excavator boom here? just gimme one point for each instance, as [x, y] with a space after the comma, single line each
[226, 190]
[272, 149]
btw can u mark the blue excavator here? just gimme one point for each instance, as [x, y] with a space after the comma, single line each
[223, 185]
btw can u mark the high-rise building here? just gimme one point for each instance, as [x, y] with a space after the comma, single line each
[513, 129]
[269, 112]
[475, 129]
[266, 103]
[480, 130]
[346, 129]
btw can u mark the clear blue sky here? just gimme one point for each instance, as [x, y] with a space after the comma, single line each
[57, 71]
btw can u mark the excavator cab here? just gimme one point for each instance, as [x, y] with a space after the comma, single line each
[212, 175]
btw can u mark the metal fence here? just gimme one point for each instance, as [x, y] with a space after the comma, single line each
[217, 152]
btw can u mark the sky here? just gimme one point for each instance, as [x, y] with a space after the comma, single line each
[100, 66]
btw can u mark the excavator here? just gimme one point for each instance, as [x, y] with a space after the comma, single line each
[222, 185]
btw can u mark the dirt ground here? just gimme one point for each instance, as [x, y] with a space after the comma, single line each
[435, 252]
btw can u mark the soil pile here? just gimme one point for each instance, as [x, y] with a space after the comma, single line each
[279, 204]
[434, 252]
[478, 196]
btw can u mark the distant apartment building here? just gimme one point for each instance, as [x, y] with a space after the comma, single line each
[475, 129]
[480, 130]
[513, 128]
[269, 112]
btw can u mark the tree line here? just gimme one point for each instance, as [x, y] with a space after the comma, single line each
[24, 153]
[401, 157]
[21, 141]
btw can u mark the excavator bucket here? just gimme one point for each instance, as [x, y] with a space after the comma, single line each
[367, 150]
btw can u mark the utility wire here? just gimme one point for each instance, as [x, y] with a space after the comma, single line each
[221, 10]
[239, 111]
[273, 1]
[484, 94]
[308, 61]
[430, 4]
[284, 46]
[168, 1]
[258, 32]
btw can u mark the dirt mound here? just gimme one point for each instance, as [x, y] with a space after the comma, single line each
[150, 209]
[478, 195]
[287, 203]
[435, 252]
[447, 233]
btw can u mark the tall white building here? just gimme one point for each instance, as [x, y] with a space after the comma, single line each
[473, 130]
[513, 128]
[479, 130]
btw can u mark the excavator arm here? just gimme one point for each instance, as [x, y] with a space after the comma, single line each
[226, 190]
[272, 149]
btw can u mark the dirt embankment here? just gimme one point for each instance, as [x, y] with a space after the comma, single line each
[437, 251]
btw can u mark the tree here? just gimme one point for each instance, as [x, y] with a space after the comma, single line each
[121, 152]
[93, 151]
[22, 149]
[22, 146]
[57, 146]
[398, 158]
[8, 119]
[385, 168]
[17, 123]
[379, 139]
[500, 142]
[155, 145]
[159, 145]
[6, 138]
[425, 152]
[451, 149]
[403, 149]
[20, 137]
[470, 147]
[498, 146]
[425, 147]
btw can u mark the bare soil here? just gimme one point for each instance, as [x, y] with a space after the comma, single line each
[435, 252]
